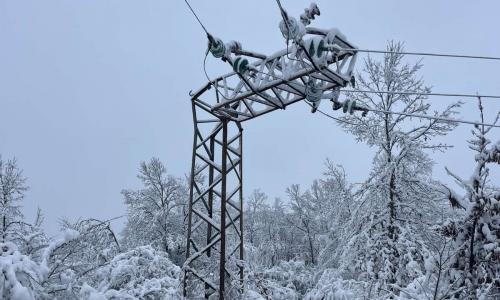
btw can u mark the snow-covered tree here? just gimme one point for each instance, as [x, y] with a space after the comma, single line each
[255, 203]
[12, 191]
[28, 238]
[335, 206]
[475, 269]
[272, 239]
[155, 212]
[33, 239]
[399, 200]
[304, 218]
[305, 227]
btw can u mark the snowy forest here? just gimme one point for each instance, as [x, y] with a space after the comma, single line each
[400, 234]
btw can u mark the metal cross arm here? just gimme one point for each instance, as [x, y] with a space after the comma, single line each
[275, 81]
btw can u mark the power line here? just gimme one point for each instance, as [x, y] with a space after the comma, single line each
[281, 7]
[283, 13]
[432, 117]
[406, 114]
[196, 16]
[423, 94]
[425, 54]
[404, 92]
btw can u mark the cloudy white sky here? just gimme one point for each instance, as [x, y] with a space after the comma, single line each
[88, 89]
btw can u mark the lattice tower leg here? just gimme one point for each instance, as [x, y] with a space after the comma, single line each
[214, 251]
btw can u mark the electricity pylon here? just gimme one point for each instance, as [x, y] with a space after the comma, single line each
[315, 66]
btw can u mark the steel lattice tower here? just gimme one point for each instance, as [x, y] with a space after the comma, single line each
[214, 249]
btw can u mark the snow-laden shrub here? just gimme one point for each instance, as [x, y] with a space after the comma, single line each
[332, 287]
[89, 293]
[268, 289]
[46, 278]
[288, 280]
[19, 274]
[141, 273]
[252, 295]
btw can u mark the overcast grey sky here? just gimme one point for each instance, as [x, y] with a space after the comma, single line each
[88, 89]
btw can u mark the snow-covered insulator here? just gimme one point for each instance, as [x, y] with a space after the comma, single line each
[313, 91]
[241, 65]
[216, 47]
[335, 99]
[309, 14]
[316, 47]
[291, 30]
[349, 106]
[353, 81]
[314, 94]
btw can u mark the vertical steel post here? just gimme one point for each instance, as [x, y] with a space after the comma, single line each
[190, 204]
[210, 205]
[241, 205]
[222, 266]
